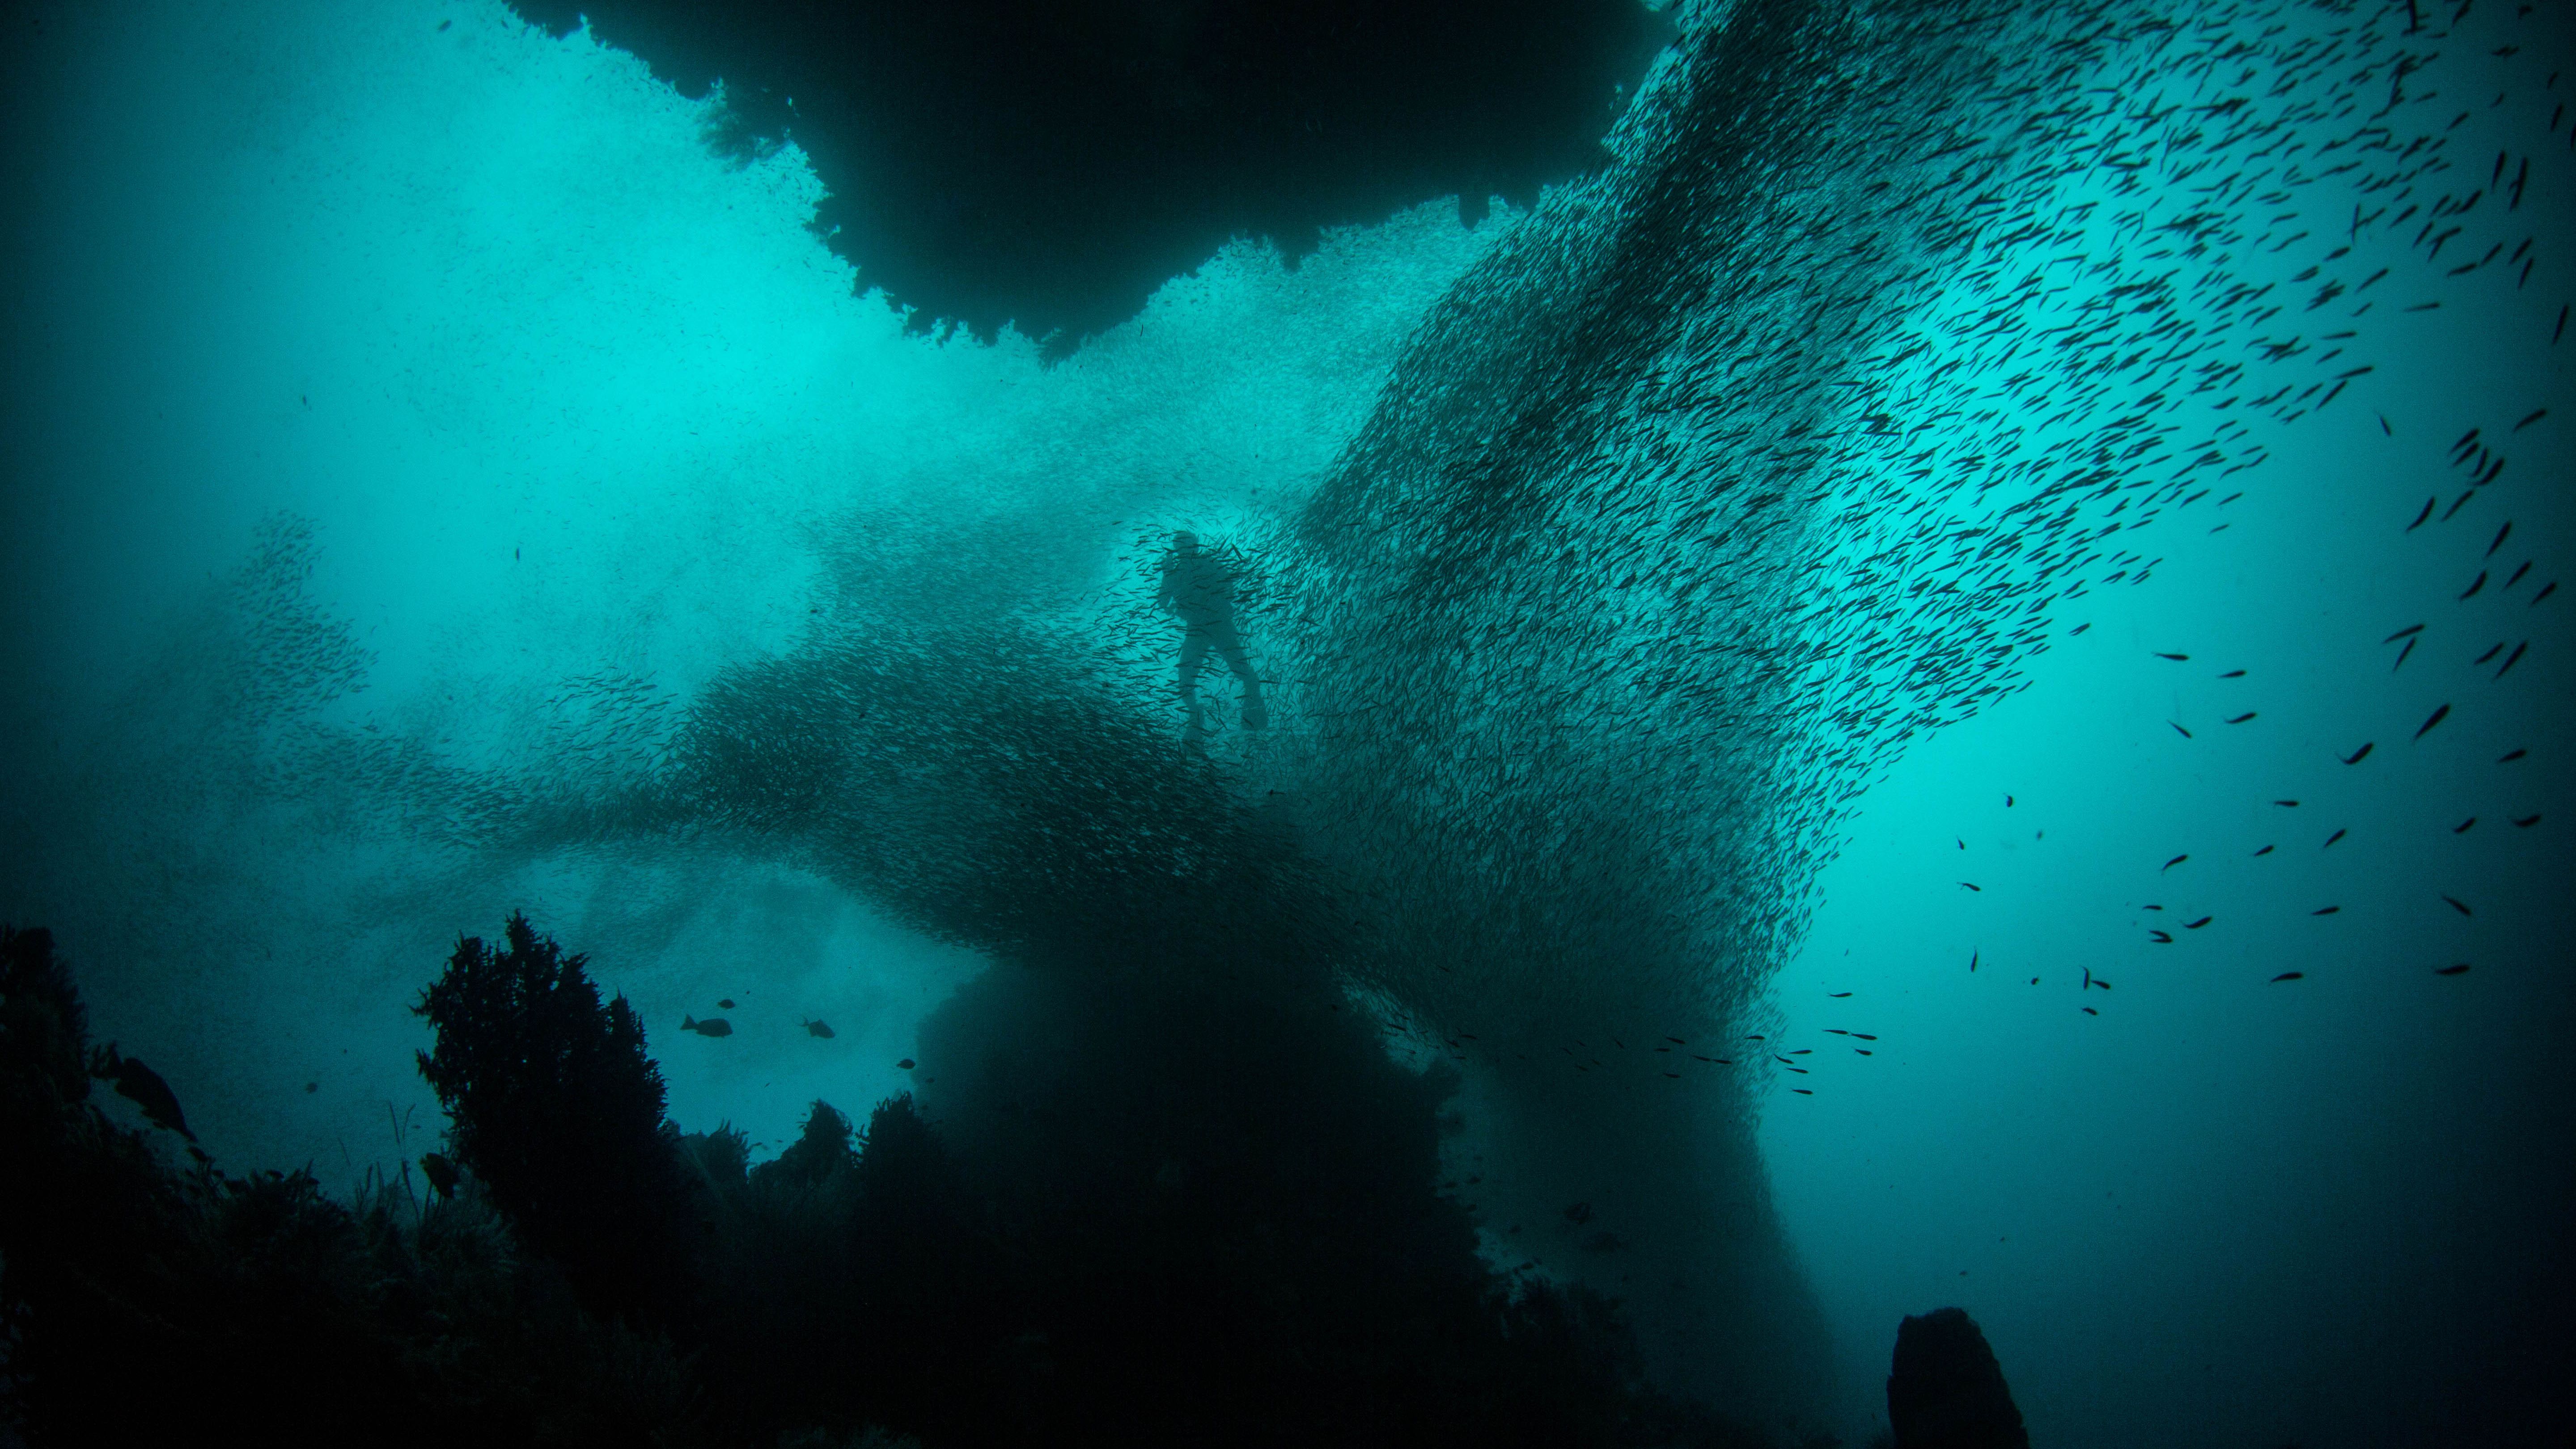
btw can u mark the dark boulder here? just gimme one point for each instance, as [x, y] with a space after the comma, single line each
[1946, 1391]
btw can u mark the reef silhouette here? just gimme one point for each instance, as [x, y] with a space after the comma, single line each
[1084, 1256]
[1050, 165]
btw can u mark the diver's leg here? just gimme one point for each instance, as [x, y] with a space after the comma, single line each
[1230, 647]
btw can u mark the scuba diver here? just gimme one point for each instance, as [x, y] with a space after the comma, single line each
[1200, 590]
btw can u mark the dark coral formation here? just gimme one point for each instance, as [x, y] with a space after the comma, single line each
[1946, 1391]
[1050, 164]
[1185, 1253]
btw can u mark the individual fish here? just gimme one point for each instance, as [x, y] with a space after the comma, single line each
[2546, 590]
[2233, 674]
[712, 1026]
[2177, 860]
[2160, 938]
[2325, 911]
[2177, 658]
[2088, 980]
[2402, 633]
[2510, 658]
[2242, 718]
[2196, 925]
[1804, 1091]
[819, 1028]
[2518, 573]
[2359, 755]
[2527, 422]
[2458, 970]
[2178, 729]
[2088, 1011]
[1863, 1051]
[1972, 885]
[2501, 535]
[2266, 850]
[2490, 654]
[2509, 756]
[1864, 1036]
[2456, 904]
[2287, 804]
[2008, 800]
[1836, 1031]
[905, 1065]
[725, 1005]
[1672, 1074]
[2078, 629]
[1839, 995]
[2439, 715]
[2476, 584]
[2463, 827]
[144, 1087]
[2427, 513]
[2401, 657]
[2290, 976]
[2526, 822]
[2331, 839]
[1972, 960]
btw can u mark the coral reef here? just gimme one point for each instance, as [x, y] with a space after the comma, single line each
[1128, 1260]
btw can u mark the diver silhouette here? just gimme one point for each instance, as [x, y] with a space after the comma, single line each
[1200, 590]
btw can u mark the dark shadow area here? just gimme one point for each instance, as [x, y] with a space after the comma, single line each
[1049, 165]
[1180, 1211]
[1946, 1391]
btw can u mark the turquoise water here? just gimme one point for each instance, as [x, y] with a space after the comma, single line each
[442, 486]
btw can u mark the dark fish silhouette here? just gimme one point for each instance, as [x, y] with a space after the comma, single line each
[2463, 827]
[2326, 911]
[2401, 657]
[2546, 590]
[1672, 1074]
[2527, 422]
[1838, 995]
[1804, 1091]
[2439, 715]
[2509, 756]
[1863, 1051]
[2455, 904]
[1972, 960]
[2526, 822]
[2501, 535]
[2402, 633]
[2266, 850]
[818, 1028]
[2233, 674]
[2451, 970]
[725, 1005]
[905, 1065]
[2490, 654]
[2427, 513]
[2510, 658]
[2177, 860]
[712, 1026]
[2177, 658]
[2196, 925]
[2359, 755]
[2078, 629]
[2287, 804]
[142, 1086]
[2160, 938]
[2518, 573]
[2476, 584]
[2290, 976]
[2088, 1011]
[2178, 729]
[2331, 839]
[2242, 718]
[2088, 980]
[1972, 885]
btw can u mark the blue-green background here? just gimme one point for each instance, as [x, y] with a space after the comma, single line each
[547, 393]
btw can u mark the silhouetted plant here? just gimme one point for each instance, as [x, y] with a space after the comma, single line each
[554, 1106]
